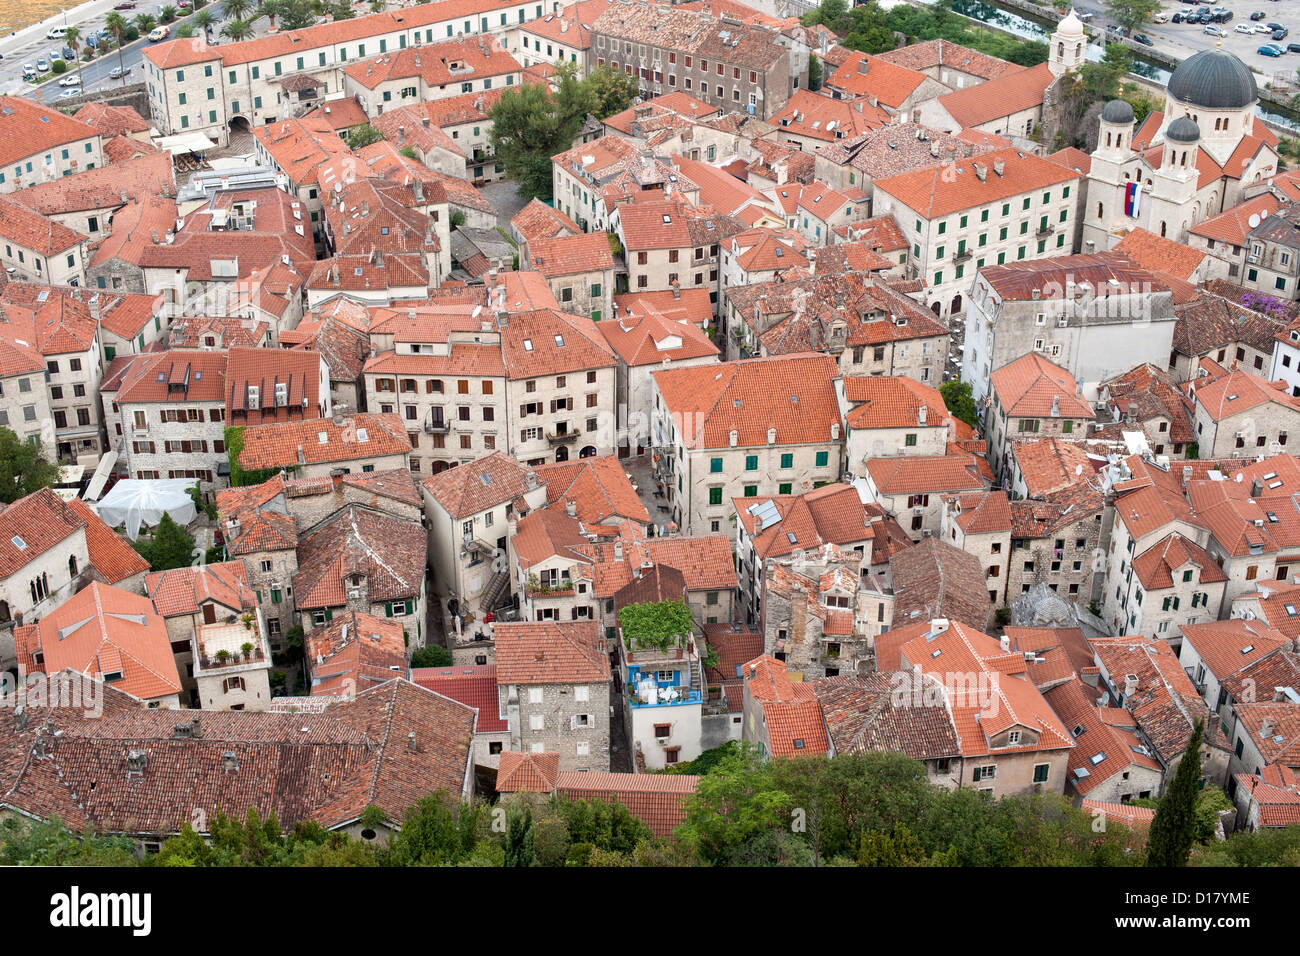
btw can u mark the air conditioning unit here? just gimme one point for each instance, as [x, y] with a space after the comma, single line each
[918, 511]
[254, 399]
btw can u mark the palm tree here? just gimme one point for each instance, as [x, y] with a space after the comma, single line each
[236, 9]
[116, 25]
[144, 22]
[237, 30]
[271, 9]
[377, 6]
[167, 14]
[203, 20]
[72, 40]
[185, 31]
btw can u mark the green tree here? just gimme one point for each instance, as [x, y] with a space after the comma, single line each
[657, 624]
[361, 136]
[23, 467]
[237, 30]
[167, 14]
[342, 10]
[432, 655]
[171, 546]
[614, 91]
[145, 22]
[203, 20]
[271, 9]
[436, 831]
[296, 14]
[50, 843]
[530, 124]
[1132, 14]
[814, 74]
[116, 24]
[736, 803]
[185, 31]
[72, 40]
[959, 401]
[897, 848]
[520, 845]
[1173, 831]
[236, 9]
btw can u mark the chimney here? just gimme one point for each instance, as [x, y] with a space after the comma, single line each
[981, 172]
[920, 415]
[771, 436]
[733, 439]
[1256, 488]
[401, 135]
[302, 459]
[1266, 729]
[1004, 642]
[571, 508]
[999, 165]
[677, 290]
[1056, 406]
[229, 760]
[1130, 685]
[618, 550]
[424, 121]
[410, 742]
[863, 66]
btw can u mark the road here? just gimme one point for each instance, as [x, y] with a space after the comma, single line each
[95, 73]
[1181, 40]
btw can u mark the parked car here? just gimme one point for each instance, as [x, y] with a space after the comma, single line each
[1293, 48]
[1281, 34]
[1271, 49]
[125, 5]
[158, 33]
[1178, 17]
[1261, 28]
[1216, 31]
[68, 94]
[1245, 28]
[118, 72]
[1085, 16]
[1258, 15]
[1144, 39]
[28, 70]
[1161, 17]
[70, 80]
[42, 65]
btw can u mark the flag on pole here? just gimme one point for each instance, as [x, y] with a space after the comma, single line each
[1132, 199]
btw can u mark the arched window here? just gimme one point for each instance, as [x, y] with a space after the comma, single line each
[72, 566]
[1060, 50]
[1098, 210]
[1108, 139]
[1078, 50]
[1162, 229]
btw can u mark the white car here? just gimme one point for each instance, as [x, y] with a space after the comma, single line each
[1214, 31]
[1260, 28]
[69, 93]
[70, 80]
[1245, 28]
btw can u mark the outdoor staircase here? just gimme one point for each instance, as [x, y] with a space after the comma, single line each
[496, 588]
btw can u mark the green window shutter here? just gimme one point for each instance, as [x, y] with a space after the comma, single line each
[784, 488]
[1175, 604]
[715, 496]
[329, 614]
[410, 606]
[822, 459]
[388, 609]
[275, 595]
[787, 460]
[911, 440]
[1165, 607]
[751, 463]
[715, 466]
[751, 491]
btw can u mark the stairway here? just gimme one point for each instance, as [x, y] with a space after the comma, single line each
[496, 588]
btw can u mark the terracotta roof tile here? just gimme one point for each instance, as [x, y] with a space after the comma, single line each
[474, 686]
[277, 445]
[941, 191]
[550, 652]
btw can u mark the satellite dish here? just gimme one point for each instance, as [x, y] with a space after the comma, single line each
[1254, 220]
[1237, 477]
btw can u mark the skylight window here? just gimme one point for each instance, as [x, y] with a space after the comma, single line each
[1097, 758]
[322, 438]
[790, 536]
[667, 219]
[19, 543]
[362, 435]
[528, 345]
[1247, 649]
[1080, 730]
[1290, 610]
[936, 652]
[559, 341]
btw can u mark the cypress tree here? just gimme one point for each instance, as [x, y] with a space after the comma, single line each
[1173, 831]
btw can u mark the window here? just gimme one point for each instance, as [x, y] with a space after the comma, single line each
[715, 496]
[1040, 772]
[822, 459]
[715, 466]
[787, 460]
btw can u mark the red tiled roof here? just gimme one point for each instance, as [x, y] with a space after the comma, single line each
[28, 128]
[101, 631]
[881, 401]
[792, 394]
[433, 63]
[527, 773]
[644, 335]
[33, 525]
[277, 445]
[539, 221]
[185, 590]
[942, 190]
[1034, 386]
[925, 474]
[480, 484]
[863, 75]
[474, 686]
[795, 726]
[550, 652]
[1227, 647]
[388, 551]
[571, 255]
[1159, 254]
[354, 652]
[113, 559]
[993, 99]
[598, 487]
[658, 800]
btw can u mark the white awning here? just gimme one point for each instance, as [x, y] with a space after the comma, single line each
[136, 502]
[185, 143]
[100, 477]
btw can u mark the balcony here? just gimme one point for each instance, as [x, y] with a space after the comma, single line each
[437, 427]
[964, 256]
[1045, 231]
[561, 438]
[235, 645]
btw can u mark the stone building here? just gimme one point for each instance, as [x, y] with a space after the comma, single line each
[554, 686]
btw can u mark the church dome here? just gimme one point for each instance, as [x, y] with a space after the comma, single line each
[1213, 80]
[1070, 25]
[1183, 130]
[1117, 111]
